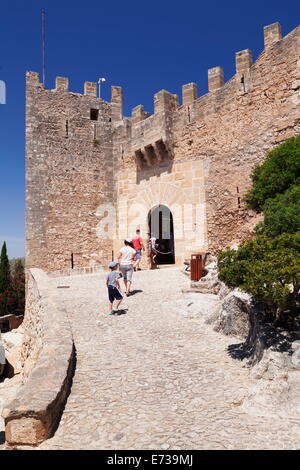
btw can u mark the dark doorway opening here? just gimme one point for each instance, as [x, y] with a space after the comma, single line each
[160, 222]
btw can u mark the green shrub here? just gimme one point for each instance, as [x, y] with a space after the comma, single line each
[280, 171]
[281, 214]
[268, 269]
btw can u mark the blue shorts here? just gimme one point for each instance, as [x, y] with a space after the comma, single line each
[138, 254]
[114, 293]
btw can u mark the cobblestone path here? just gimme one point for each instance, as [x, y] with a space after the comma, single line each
[155, 377]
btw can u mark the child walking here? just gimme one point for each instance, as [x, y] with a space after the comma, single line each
[113, 286]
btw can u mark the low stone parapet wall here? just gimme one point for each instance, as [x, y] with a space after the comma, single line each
[48, 362]
[10, 322]
[76, 271]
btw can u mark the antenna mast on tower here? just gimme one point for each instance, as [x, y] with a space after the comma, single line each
[43, 46]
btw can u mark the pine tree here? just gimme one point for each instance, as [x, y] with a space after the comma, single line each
[5, 278]
[5, 282]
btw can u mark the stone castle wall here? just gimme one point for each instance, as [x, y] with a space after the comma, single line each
[215, 141]
[195, 158]
[69, 174]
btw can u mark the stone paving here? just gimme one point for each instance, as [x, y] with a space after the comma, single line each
[156, 377]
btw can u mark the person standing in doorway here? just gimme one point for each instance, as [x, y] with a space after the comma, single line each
[152, 251]
[138, 245]
[127, 258]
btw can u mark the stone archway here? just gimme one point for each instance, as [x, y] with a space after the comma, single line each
[161, 226]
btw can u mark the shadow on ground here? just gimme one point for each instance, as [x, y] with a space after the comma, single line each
[121, 312]
[136, 291]
[265, 334]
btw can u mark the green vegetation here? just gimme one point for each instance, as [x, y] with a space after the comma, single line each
[278, 173]
[18, 282]
[5, 278]
[12, 285]
[268, 267]
[6, 299]
[281, 214]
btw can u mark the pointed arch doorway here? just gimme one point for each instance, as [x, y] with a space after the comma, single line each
[161, 226]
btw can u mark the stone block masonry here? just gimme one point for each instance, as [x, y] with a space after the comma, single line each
[82, 154]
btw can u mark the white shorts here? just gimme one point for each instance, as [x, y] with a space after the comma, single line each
[127, 271]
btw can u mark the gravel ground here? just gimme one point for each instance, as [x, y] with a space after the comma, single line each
[156, 376]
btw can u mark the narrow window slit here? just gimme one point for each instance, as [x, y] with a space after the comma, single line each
[189, 115]
[243, 82]
[238, 197]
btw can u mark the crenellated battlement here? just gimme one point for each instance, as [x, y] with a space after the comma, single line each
[215, 78]
[243, 62]
[272, 34]
[62, 84]
[165, 101]
[89, 91]
[249, 76]
[147, 130]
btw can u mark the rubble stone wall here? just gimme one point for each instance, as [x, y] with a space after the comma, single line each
[33, 337]
[48, 361]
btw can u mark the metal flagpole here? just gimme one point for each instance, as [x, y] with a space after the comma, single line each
[43, 46]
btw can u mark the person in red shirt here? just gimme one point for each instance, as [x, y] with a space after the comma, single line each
[138, 245]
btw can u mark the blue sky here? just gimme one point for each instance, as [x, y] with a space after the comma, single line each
[141, 46]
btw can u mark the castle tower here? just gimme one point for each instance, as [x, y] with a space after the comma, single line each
[69, 174]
